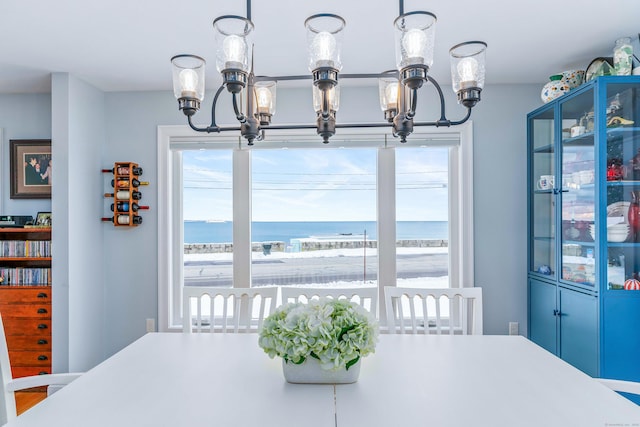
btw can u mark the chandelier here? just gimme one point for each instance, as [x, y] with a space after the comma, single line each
[398, 89]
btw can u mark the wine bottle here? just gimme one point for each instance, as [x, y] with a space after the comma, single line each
[124, 183]
[124, 207]
[124, 219]
[123, 170]
[124, 195]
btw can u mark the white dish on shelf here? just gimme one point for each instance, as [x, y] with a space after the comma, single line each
[618, 209]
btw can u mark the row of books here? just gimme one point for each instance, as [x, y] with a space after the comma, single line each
[22, 276]
[25, 248]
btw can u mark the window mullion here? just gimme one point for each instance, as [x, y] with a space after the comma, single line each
[386, 206]
[241, 218]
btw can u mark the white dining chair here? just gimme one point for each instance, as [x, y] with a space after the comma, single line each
[366, 297]
[10, 385]
[433, 311]
[212, 309]
[621, 385]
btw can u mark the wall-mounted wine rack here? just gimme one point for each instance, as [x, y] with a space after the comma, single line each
[126, 194]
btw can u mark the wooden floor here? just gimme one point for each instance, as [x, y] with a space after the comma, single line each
[26, 399]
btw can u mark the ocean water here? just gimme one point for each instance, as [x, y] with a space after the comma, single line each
[221, 232]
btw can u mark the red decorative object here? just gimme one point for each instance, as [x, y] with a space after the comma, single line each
[633, 215]
[616, 171]
[632, 284]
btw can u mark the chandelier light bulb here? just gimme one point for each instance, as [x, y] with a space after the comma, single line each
[324, 45]
[414, 42]
[188, 83]
[263, 99]
[391, 94]
[468, 72]
[234, 51]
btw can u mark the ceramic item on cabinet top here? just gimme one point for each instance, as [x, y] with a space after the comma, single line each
[554, 88]
[602, 66]
[573, 78]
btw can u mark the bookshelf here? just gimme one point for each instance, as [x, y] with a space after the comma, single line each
[25, 298]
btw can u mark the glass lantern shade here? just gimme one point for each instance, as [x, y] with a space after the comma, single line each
[188, 77]
[415, 36]
[388, 90]
[234, 43]
[265, 97]
[324, 40]
[468, 65]
[334, 98]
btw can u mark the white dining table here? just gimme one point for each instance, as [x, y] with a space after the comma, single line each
[175, 379]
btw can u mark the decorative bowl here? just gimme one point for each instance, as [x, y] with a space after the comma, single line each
[573, 78]
[555, 88]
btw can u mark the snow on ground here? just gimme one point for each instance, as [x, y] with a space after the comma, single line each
[329, 253]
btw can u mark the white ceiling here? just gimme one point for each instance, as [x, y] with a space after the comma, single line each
[126, 45]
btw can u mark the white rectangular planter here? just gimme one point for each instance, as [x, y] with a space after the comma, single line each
[310, 372]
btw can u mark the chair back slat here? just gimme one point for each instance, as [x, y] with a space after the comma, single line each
[457, 311]
[366, 297]
[226, 310]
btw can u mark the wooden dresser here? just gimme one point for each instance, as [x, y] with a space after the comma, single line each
[25, 298]
[26, 314]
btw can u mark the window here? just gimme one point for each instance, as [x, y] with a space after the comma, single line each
[364, 198]
[314, 214]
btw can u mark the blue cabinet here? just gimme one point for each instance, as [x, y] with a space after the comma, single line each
[584, 226]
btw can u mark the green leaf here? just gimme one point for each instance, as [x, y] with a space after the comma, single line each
[345, 330]
[352, 362]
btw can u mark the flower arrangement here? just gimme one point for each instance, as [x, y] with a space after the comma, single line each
[335, 332]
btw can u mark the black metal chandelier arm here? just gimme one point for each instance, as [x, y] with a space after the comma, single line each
[391, 73]
[210, 129]
[443, 116]
[459, 122]
[213, 106]
[239, 115]
[413, 103]
[445, 122]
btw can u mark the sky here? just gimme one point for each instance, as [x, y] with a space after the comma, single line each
[317, 184]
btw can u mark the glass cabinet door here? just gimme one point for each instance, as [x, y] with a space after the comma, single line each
[621, 233]
[578, 191]
[542, 179]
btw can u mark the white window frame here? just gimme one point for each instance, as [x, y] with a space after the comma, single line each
[170, 254]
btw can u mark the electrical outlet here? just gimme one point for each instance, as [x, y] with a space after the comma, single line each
[513, 328]
[151, 325]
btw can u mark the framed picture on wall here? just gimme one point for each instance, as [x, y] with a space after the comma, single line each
[30, 168]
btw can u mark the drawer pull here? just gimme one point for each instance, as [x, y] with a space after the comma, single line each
[42, 326]
[43, 295]
[43, 342]
[43, 357]
[42, 311]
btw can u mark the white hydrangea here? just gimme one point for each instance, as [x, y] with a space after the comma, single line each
[336, 332]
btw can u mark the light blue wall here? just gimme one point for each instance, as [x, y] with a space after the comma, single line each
[22, 117]
[120, 270]
[79, 315]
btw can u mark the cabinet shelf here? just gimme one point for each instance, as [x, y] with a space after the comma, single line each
[548, 149]
[620, 132]
[584, 140]
[623, 183]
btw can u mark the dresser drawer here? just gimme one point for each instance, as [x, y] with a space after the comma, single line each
[30, 358]
[27, 326]
[20, 294]
[40, 311]
[27, 371]
[28, 342]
